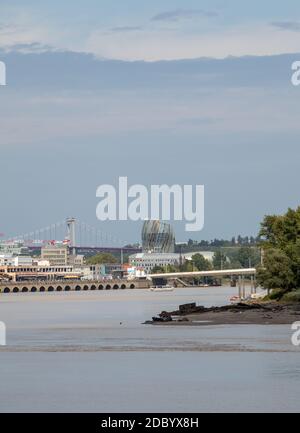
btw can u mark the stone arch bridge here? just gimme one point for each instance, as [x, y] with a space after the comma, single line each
[68, 286]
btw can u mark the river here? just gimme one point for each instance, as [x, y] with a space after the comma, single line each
[89, 352]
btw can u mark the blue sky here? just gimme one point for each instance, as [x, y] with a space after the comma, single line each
[154, 30]
[78, 112]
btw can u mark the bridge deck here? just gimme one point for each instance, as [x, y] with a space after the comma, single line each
[223, 273]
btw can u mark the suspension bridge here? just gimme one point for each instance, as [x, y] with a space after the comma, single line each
[82, 238]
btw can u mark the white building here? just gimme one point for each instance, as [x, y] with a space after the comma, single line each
[6, 259]
[10, 260]
[22, 261]
[147, 261]
[208, 255]
[14, 248]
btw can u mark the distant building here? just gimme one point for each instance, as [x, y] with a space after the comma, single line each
[101, 271]
[146, 262]
[41, 263]
[75, 260]
[133, 272]
[10, 260]
[22, 261]
[25, 273]
[58, 255]
[16, 248]
[158, 237]
[6, 259]
[208, 255]
[55, 255]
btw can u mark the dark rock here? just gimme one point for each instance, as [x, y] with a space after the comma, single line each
[162, 319]
[187, 308]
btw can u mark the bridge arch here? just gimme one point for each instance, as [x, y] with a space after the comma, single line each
[24, 289]
[132, 286]
[101, 287]
[85, 287]
[6, 290]
[59, 289]
[67, 288]
[108, 287]
[33, 289]
[42, 289]
[93, 287]
[116, 287]
[123, 286]
[16, 290]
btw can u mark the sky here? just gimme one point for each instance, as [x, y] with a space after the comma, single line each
[175, 92]
[169, 29]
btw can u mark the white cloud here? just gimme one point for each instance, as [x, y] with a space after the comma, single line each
[178, 14]
[152, 45]
[22, 30]
[22, 27]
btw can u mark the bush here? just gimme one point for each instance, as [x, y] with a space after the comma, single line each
[275, 295]
[293, 296]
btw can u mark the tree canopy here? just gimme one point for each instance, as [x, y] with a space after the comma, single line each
[101, 258]
[280, 239]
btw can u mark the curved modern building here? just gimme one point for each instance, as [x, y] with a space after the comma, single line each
[158, 237]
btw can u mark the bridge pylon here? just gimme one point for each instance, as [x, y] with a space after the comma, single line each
[71, 230]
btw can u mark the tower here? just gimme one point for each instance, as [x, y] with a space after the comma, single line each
[71, 225]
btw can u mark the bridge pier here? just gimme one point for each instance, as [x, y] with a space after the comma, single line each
[252, 285]
[239, 286]
[244, 287]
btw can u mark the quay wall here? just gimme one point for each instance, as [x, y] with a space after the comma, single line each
[69, 286]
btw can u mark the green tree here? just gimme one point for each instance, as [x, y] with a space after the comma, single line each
[171, 269]
[279, 231]
[158, 270]
[188, 266]
[101, 258]
[280, 239]
[200, 263]
[276, 272]
[247, 256]
[219, 260]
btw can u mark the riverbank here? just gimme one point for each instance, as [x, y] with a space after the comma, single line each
[239, 314]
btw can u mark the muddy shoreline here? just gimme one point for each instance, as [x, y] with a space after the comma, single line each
[239, 314]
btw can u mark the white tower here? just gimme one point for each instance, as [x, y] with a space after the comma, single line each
[71, 224]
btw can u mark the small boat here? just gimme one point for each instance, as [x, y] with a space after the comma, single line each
[162, 289]
[235, 299]
[258, 295]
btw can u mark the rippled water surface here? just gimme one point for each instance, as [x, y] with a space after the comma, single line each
[90, 352]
